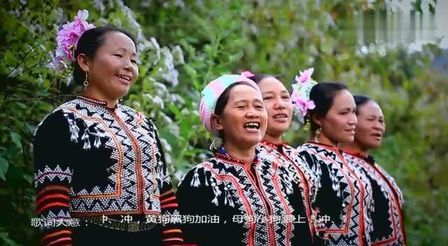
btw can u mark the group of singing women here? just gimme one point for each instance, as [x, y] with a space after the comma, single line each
[102, 163]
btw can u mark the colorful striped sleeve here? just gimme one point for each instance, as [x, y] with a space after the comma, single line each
[52, 179]
[172, 232]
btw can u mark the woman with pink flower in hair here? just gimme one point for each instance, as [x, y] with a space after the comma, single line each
[99, 166]
[342, 196]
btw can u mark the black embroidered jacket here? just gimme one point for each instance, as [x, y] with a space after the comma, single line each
[303, 175]
[91, 160]
[343, 198]
[387, 213]
[255, 203]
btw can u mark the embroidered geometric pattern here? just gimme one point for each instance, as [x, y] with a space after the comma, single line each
[51, 174]
[60, 215]
[302, 174]
[235, 186]
[133, 146]
[257, 191]
[391, 231]
[341, 201]
[91, 160]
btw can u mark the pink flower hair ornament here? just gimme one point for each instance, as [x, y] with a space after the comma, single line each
[305, 76]
[67, 39]
[300, 95]
[247, 74]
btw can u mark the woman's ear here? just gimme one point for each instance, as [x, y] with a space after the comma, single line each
[317, 120]
[83, 62]
[216, 123]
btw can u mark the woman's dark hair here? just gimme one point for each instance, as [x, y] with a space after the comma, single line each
[257, 78]
[361, 100]
[323, 95]
[88, 44]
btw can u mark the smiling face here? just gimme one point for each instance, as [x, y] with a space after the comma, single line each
[244, 118]
[338, 125]
[278, 105]
[112, 69]
[370, 127]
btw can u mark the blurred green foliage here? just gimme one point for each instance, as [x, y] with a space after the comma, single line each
[184, 44]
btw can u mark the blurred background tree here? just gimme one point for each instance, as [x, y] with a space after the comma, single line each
[183, 44]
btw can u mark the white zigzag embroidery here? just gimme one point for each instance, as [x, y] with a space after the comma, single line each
[60, 215]
[51, 174]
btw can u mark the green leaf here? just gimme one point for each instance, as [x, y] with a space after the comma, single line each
[5, 191]
[4, 165]
[28, 177]
[16, 139]
[431, 8]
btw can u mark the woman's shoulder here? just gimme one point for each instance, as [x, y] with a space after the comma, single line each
[62, 110]
[52, 119]
[203, 166]
[131, 111]
[308, 149]
[306, 146]
[290, 151]
[137, 115]
[63, 117]
[317, 149]
[198, 175]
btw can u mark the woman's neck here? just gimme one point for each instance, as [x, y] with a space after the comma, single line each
[321, 138]
[245, 154]
[272, 139]
[355, 147]
[94, 94]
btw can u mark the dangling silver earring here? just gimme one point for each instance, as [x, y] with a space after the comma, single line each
[86, 81]
[216, 143]
[316, 135]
